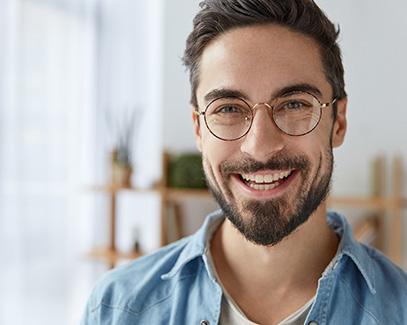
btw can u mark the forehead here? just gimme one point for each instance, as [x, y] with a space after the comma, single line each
[260, 60]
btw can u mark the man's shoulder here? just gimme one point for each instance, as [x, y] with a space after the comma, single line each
[388, 288]
[150, 287]
[386, 273]
[147, 268]
[374, 266]
[122, 287]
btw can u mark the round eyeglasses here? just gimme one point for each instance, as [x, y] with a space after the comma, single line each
[295, 113]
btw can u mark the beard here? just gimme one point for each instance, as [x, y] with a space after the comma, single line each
[270, 221]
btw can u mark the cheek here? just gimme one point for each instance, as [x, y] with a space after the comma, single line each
[316, 146]
[325, 128]
[216, 151]
[321, 157]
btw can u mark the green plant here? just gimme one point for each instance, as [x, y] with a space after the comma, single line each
[185, 171]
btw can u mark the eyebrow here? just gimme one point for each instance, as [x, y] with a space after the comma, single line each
[229, 93]
[225, 93]
[297, 87]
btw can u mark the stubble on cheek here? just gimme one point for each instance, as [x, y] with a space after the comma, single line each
[217, 187]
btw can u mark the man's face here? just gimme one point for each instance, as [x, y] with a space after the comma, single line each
[267, 183]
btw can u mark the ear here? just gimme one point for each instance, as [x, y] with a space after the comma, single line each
[197, 129]
[340, 125]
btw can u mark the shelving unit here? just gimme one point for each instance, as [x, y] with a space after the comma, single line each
[110, 254]
[393, 205]
[169, 196]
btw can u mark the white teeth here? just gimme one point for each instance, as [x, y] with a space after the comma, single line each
[261, 179]
[268, 178]
[264, 187]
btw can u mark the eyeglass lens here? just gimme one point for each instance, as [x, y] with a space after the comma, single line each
[295, 113]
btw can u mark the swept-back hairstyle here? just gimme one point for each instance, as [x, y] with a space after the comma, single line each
[302, 16]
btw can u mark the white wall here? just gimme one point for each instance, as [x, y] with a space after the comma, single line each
[178, 131]
[130, 77]
[374, 53]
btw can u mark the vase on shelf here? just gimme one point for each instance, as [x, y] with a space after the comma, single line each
[121, 171]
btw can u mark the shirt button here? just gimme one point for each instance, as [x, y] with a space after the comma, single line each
[312, 323]
[335, 265]
[204, 322]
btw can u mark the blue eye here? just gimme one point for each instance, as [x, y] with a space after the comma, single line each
[294, 105]
[229, 109]
[227, 112]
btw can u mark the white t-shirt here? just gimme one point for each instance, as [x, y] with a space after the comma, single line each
[231, 314]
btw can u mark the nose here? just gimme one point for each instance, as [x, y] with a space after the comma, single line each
[264, 139]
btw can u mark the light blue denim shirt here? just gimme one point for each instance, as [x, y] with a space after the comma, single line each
[175, 285]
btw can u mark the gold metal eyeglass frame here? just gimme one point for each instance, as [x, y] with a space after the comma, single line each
[321, 106]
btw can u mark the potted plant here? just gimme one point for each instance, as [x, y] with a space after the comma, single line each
[121, 160]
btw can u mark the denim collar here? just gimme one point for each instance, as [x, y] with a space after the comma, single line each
[198, 246]
[350, 247]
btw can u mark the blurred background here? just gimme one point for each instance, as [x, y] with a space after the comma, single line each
[93, 92]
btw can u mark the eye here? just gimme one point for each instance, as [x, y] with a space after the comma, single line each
[294, 105]
[229, 109]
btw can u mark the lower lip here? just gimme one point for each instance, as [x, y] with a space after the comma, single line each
[278, 190]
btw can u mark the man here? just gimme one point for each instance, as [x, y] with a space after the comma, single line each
[269, 104]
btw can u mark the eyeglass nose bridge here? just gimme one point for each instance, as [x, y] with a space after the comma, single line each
[251, 118]
[262, 104]
[272, 117]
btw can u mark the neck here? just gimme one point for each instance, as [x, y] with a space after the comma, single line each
[290, 268]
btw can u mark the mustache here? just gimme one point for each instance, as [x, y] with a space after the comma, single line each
[247, 165]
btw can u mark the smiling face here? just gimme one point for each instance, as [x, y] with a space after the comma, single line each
[267, 183]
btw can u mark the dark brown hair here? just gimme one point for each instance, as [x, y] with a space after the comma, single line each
[303, 16]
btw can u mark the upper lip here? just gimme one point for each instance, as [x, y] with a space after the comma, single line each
[266, 178]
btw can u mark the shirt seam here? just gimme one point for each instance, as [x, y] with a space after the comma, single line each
[325, 296]
[357, 301]
[137, 313]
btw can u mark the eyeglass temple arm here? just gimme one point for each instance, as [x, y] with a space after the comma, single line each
[329, 104]
[197, 112]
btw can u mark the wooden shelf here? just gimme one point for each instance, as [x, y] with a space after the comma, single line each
[367, 202]
[112, 256]
[171, 193]
[168, 195]
[386, 206]
[179, 195]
